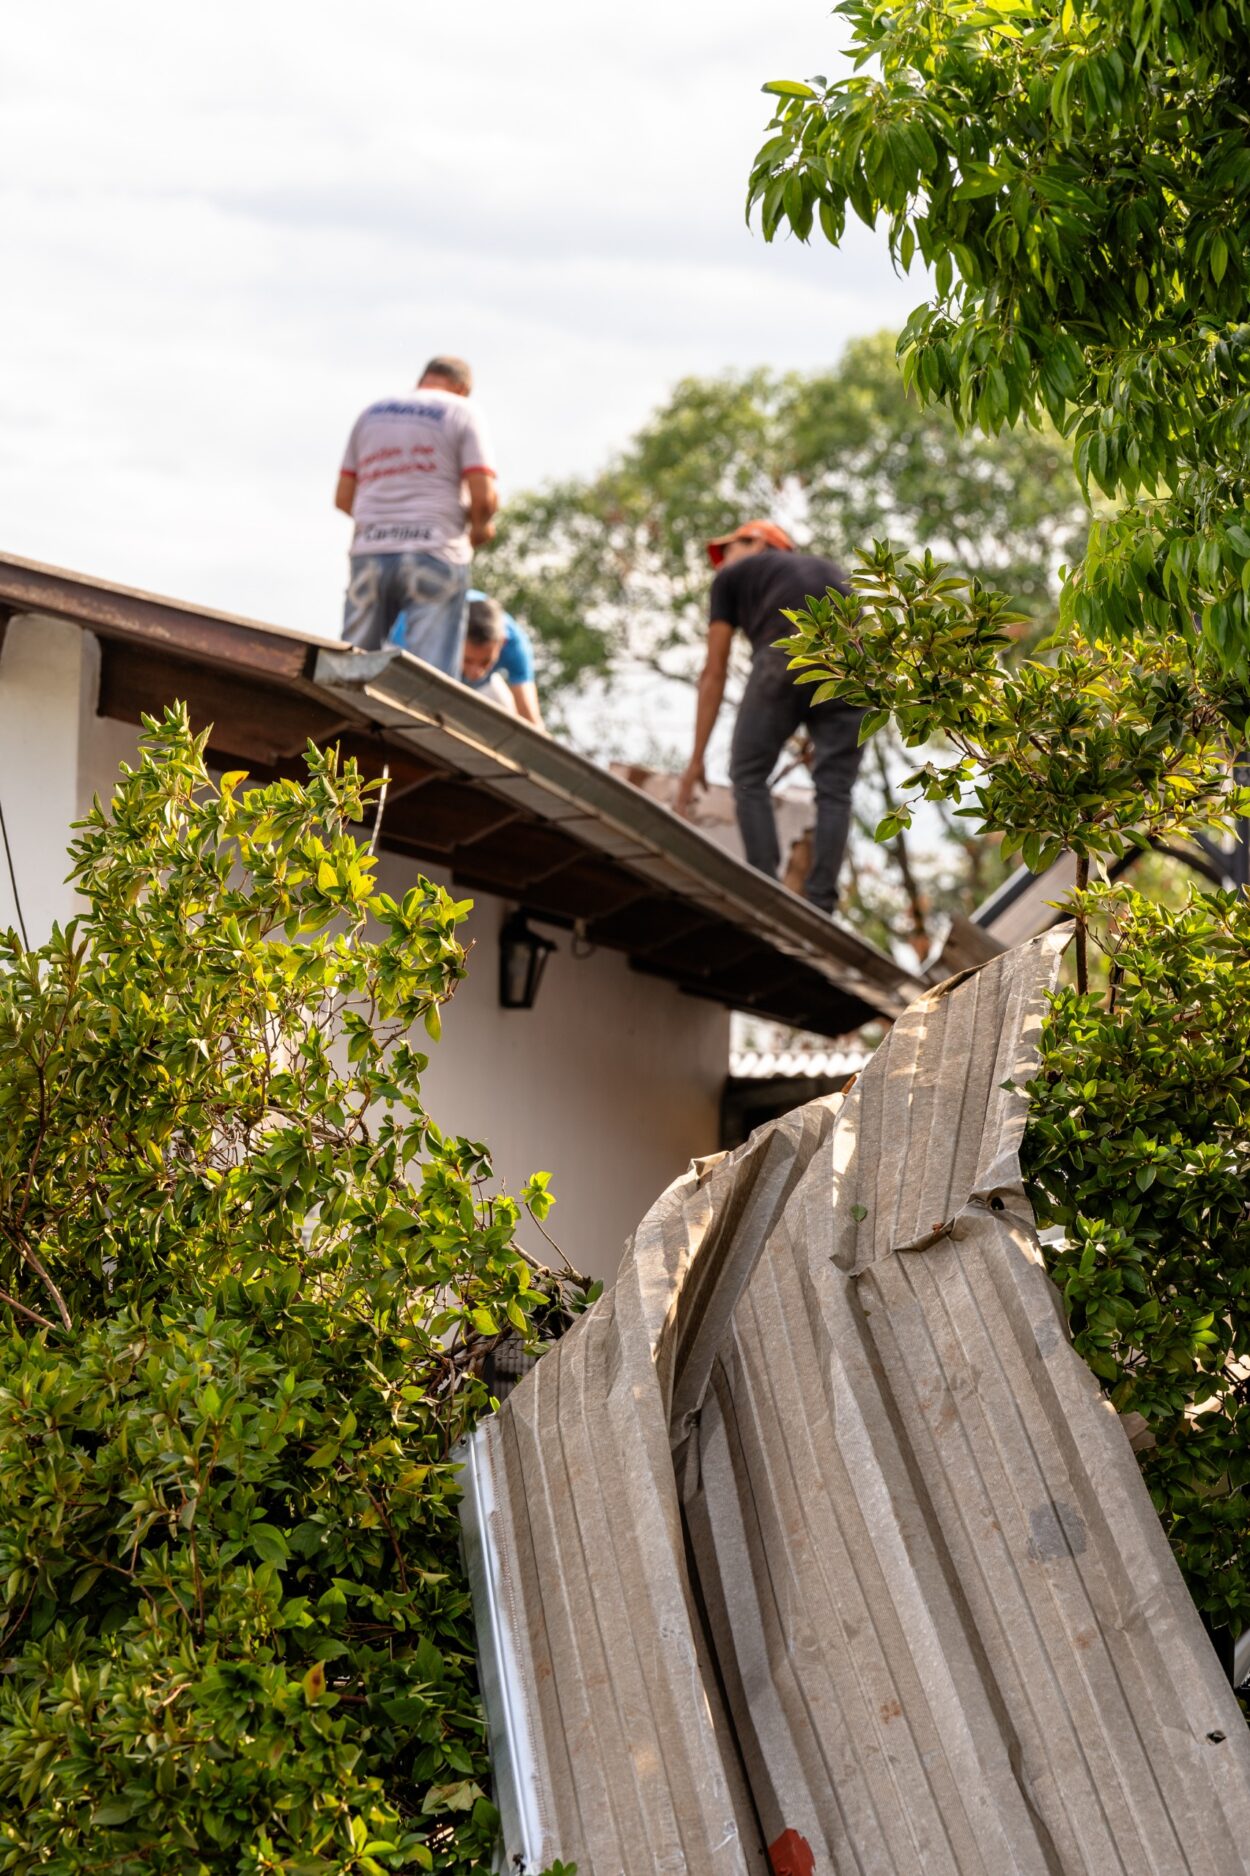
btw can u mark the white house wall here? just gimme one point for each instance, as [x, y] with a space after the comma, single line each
[611, 1083]
[54, 754]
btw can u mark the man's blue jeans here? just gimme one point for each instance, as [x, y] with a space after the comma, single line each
[773, 707]
[429, 591]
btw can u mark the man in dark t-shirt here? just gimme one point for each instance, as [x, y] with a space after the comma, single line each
[760, 576]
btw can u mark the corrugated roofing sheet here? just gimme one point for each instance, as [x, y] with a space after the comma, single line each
[818, 1532]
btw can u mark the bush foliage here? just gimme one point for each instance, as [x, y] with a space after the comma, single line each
[1138, 1147]
[249, 1287]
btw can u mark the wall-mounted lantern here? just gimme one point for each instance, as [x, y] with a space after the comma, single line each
[523, 958]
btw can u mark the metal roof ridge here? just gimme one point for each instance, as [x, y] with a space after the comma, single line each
[396, 681]
[501, 753]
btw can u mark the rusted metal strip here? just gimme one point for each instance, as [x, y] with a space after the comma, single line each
[218, 637]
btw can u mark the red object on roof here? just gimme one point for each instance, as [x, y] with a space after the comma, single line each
[791, 1855]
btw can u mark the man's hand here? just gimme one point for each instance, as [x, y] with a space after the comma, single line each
[483, 505]
[692, 777]
[707, 708]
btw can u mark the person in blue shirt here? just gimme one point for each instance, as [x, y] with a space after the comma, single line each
[487, 655]
[496, 649]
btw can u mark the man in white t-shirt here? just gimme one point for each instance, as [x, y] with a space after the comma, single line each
[418, 481]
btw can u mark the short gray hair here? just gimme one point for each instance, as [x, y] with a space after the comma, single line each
[454, 370]
[488, 624]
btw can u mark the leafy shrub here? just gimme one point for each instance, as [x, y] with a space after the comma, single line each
[250, 1288]
[1090, 747]
[1138, 1146]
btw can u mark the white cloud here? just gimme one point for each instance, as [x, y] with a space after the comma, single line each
[224, 231]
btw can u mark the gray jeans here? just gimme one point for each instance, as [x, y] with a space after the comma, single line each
[773, 707]
[428, 591]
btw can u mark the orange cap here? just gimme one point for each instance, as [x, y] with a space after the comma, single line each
[750, 531]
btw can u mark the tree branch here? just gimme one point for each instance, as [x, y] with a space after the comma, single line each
[1082, 960]
[44, 1322]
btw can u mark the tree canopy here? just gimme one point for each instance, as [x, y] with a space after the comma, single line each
[1078, 180]
[610, 571]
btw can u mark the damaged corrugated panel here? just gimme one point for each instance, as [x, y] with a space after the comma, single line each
[818, 1532]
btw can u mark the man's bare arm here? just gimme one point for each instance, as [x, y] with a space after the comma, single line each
[710, 697]
[345, 493]
[483, 506]
[525, 697]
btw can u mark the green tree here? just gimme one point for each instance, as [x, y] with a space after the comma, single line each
[611, 572]
[248, 1290]
[1137, 1147]
[1077, 180]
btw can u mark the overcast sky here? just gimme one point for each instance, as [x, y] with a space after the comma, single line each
[225, 229]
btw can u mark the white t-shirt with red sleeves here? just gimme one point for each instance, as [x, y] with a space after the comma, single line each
[409, 456]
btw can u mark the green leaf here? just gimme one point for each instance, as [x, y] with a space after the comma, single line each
[84, 1581]
[269, 1543]
[113, 1811]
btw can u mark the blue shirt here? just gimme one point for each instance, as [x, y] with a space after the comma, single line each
[515, 661]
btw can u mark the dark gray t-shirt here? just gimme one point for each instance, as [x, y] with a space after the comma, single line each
[752, 594]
